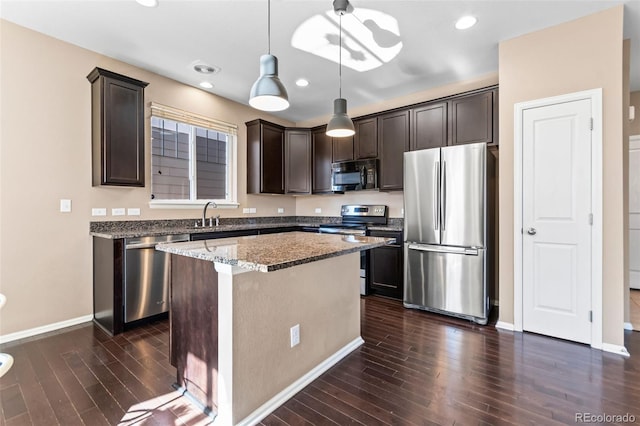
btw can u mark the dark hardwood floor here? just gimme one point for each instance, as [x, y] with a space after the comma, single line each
[414, 368]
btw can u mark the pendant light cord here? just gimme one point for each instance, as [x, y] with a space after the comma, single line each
[269, 26]
[340, 60]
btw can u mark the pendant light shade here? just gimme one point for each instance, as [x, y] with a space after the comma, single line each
[340, 125]
[268, 92]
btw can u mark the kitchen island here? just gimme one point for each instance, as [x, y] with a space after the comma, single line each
[235, 304]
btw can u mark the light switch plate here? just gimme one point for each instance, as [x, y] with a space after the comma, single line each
[65, 206]
[280, 210]
[252, 210]
[133, 211]
[245, 210]
[294, 334]
[99, 211]
[318, 210]
[118, 211]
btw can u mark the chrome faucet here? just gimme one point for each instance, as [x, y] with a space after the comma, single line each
[204, 214]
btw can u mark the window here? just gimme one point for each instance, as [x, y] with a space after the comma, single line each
[193, 159]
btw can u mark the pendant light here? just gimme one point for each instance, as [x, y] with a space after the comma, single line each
[268, 92]
[340, 124]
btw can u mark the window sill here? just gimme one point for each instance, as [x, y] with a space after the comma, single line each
[188, 204]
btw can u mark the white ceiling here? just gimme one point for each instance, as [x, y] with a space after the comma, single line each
[232, 34]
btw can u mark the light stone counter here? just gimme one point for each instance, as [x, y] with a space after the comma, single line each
[271, 252]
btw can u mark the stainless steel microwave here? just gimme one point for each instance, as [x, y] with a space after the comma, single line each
[354, 175]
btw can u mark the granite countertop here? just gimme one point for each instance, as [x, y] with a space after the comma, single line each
[147, 228]
[176, 229]
[271, 252]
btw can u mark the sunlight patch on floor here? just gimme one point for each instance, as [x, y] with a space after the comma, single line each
[173, 407]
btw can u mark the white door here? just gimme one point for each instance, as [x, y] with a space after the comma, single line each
[556, 198]
[634, 212]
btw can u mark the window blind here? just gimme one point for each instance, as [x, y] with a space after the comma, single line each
[170, 113]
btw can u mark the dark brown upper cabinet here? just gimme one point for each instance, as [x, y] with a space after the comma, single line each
[393, 134]
[322, 153]
[297, 161]
[342, 149]
[474, 118]
[429, 126]
[117, 122]
[366, 138]
[265, 158]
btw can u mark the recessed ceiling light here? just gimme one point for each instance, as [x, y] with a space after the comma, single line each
[206, 69]
[466, 22]
[148, 3]
[206, 85]
[301, 82]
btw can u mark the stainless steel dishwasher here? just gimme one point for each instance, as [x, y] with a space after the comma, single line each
[147, 276]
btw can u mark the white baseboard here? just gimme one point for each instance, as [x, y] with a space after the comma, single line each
[44, 329]
[615, 349]
[628, 326]
[505, 326]
[269, 406]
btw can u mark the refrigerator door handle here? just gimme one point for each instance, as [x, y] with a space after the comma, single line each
[436, 196]
[443, 201]
[469, 251]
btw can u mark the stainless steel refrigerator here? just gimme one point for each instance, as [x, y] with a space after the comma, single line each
[448, 230]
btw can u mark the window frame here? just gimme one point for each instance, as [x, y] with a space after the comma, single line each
[193, 121]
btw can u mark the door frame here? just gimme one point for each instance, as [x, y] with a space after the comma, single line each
[595, 95]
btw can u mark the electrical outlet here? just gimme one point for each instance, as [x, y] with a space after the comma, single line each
[318, 210]
[402, 212]
[65, 206]
[294, 333]
[280, 210]
[133, 212]
[252, 210]
[245, 210]
[118, 212]
[98, 212]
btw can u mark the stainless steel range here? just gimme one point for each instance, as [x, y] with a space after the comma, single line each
[355, 220]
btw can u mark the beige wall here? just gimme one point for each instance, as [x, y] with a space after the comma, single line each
[266, 306]
[563, 59]
[635, 124]
[45, 155]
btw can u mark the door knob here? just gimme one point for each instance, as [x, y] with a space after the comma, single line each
[531, 231]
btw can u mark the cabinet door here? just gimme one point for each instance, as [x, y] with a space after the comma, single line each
[429, 126]
[472, 119]
[342, 149]
[117, 129]
[322, 147]
[272, 159]
[385, 274]
[393, 131]
[297, 161]
[366, 138]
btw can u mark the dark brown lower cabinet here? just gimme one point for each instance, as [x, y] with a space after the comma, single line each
[385, 274]
[108, 284]
[194, 301]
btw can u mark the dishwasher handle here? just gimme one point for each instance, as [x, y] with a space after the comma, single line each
[136, 244]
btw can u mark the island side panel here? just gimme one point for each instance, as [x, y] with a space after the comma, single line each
[194, 327]
[323, 297]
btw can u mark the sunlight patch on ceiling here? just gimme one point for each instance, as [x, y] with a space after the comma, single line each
[370, 38]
